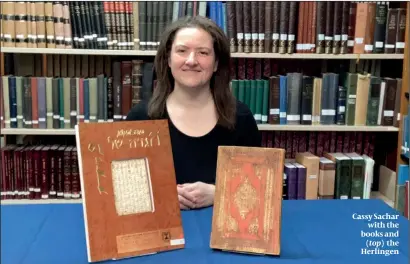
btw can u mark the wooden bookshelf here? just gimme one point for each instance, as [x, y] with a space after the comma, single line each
[404, 102]
[233, 55]
[374, 195]
[42, 201]
[262, 127]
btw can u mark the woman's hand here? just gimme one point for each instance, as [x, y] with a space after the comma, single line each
[195, 195]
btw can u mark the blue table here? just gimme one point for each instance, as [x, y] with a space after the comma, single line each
[321, 231]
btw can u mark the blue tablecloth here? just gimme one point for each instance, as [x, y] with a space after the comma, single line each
[321, 231]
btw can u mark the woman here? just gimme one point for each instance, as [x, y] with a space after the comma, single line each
[192, 92]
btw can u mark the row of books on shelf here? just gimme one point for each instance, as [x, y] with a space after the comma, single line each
[47, 102]
[342, 99]
[318, 143]
[266, 26]
[294, 98]
[40, 172]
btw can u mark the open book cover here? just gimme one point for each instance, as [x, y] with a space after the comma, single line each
[128, 182]
[248, 200]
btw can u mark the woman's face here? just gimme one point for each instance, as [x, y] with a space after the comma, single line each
[192, 60]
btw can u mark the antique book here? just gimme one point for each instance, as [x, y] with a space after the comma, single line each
[129, 189]
[248, 200]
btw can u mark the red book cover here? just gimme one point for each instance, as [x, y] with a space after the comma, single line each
[312, 142]
[346, 142]
[352, 144]
[75, 180]
[60, 172]
[302, 141]
[277, 140]
[333, 140]
[53, 171]
[67, 172]
[3, 173]
[30, 171]
[270, 140]
[289, 145]
[339, 145]
[248, 199]
[45, 181]
[37, 175]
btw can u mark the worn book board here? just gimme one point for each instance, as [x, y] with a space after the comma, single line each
[129, 189]
[248, 200]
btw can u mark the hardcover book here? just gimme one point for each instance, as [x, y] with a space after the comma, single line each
[129, 189]
[248, 200]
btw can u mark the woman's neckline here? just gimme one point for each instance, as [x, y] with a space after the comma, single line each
[207, 134]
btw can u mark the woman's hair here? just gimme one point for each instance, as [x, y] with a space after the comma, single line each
[224, 100]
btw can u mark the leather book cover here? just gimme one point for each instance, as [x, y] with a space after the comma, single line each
[391, 30]
[247, 25]
[274, 100]
[21, 24]
[373, 101]
[294, 93]
[283, 26]
[380, 27]
[311, 164]
[128, 184]
[329, 27]
[361, 27]
[312, 40]
[320, 27]
[306, 100]
[343, 179]
[275, 26]
[362, 95]
[268, 26]
[68, 42]
[352, 27]
[351, 85]
[248, 200]
[370, 26]
[389, 102]
[401, 30]
[357, 174]
[136, 82]
[239, 26]
[8, 25]
[293, 5]
[345, 27]
[301, 181]
[337, 26]
[316, 100]
[341, 105]
[254, 26]
[230, 14]
[299, 38]
[261, 26]
[58, 25]
[291, 176]
[326, 178]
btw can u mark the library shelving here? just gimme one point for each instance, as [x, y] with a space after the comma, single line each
[360, 59]
[262, 127]
[150, 53]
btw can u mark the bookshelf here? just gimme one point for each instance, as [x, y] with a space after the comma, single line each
[294, 57]
[262, 127]
[151, 53]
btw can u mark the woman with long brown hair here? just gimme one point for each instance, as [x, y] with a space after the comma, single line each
[193, 93]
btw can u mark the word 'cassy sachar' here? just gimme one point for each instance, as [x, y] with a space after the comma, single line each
[375, 216]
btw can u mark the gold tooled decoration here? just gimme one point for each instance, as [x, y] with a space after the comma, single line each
[245, 198]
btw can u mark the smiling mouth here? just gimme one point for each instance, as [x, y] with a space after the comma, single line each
[191, 70]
